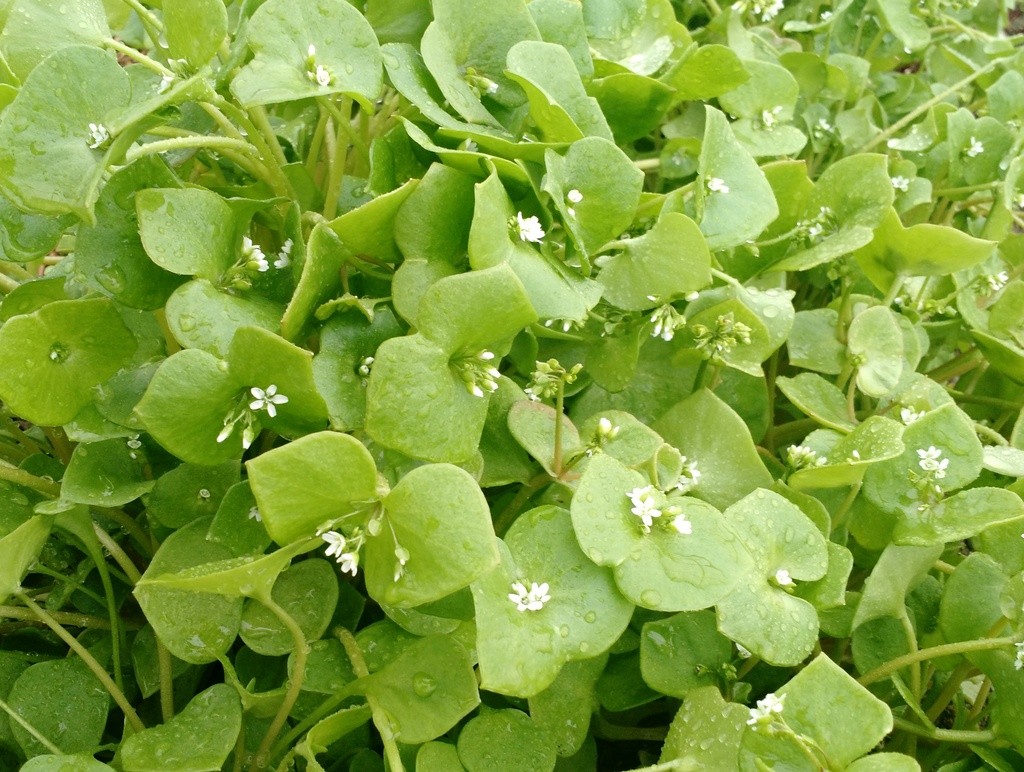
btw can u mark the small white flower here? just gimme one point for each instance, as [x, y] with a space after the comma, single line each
[574, 196]
[997, 281]
[826, 15]
[682, 524]
[606, 430]
[98, 135]
[284, 257]
[532, 599]
[974, 148]
[204, 493]
[743, 652]
[134, 442]
[349, 562]
[690, 477]
[908, 415]
[335, 541]
[267, 399]
[783, 579]
[165, 84]
[900, 183]
[766, 708]
[254, 514]
[1018, 661]
[853, 457]
[801, 456]
[771, 10]
[769, 118]
[823, 127]
[256, 259]
[365, 366]
[311, 51]
[931, 461]
[645, 506]
[321, 76]
[666, 321]
[530, 229]
[717, 185]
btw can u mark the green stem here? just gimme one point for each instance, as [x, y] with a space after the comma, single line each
[921, 655]
[17, 476]
[949, 689]
[258, 115]
[507, 516]
[86, 656]
[198, 141]
[647, 164]
[839, 519]
[961, 396]
[36, 734]
[7, 284]
[142, 539]
[145, 15]
[119, 555]
[337, 155]
[380, 719]
[924, 107]
[966, 189]
[301, 649]
[138, 56]
[556, 460]
[163, 658]
[990, 434]
[944, 735]
[960, 364]
[63, 617]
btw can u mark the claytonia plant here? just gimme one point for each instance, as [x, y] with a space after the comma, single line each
[98, 135]
[527, 228]
[477, 372]
[266, 399]
[666, 320]
[532, 599]
[768, 711]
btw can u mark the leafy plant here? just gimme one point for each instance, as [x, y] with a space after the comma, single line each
[511, 385]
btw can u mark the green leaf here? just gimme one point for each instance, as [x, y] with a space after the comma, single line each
[308, 592]
[280, 34]
[683, 653]
[875, 345]
[564, 709]
[706, 731]
[104, 474]
[329, 730]
[309, 482]
[670, 260]
[641, 37]
[522, 652]
[19, 549]
[426, 690]
[64, 702]
[79, 762]
[202, 316]
[971, 598]
[729, 219]
[438, 514]
[417, 404]
[778, 536]
[505, 739]
[25, 237]
[708, 431]
[664, 569]
[708, 72]
[434, 221]
[818, 398]
[109, 255]
[909, 29]
[610, 186]
[468, 312]
[825, 704]
[813, 343]
[958, 517]
[369, 230]
[189, 492]
[188, 231]
[33, 30]
[533, 426]
[925, 249]
[186, 404]
[198, 739]
[194, 29]
[51, 359]
[46, 162]
[194, 626]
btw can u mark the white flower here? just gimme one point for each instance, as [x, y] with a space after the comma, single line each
[931, 461]
[826, 15]
[801, 456]
[606, 430]
[717, 185]
[644, 506]
[321, 76]
[266, 400]
[98, 135]
[769, 118]
[997, 281]
[1018, 662]
[783, 579]
[574, 196]
[769, 11]
[765, 709]
[256, 259]
[529, 600]
[529, 228]
[690, 477]
[478, 375]
[666, 321]
[349, 562]
[254, 514]
[284, 257]
[682, 524]
[823, 127]
[335, 542]
[901, 183]
[165, 84]
[908, 415]
[365, 366]
[743, 652]
[975, 148]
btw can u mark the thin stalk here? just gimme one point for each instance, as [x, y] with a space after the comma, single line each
[960, 364]
[841, 514]
[556, 459]
[949, 690]
[962, 396]
[86, 656]
[144, 541]
[163, 658]
[647, 164]
[200, 141]
[380, 719]
[966, 189]
[507, 516]
[316, 144]
[138, 56]
[337, 155]
[63, 617]
[19, 434]
[944, 735]
[145, 15]
[7, 284]
[36, 734]
[924, 107]
[921, 655]
[119, 555]
[17, 476]
[894, 290]
[979, 702]
[301, 649]
[258, 115]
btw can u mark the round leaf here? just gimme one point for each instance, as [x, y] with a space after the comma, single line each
[308, 592]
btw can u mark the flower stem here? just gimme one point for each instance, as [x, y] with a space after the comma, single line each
[337, 157]
[86, 656]
[301, 648]
[921, 655]
[380, 720]
[138, 56]
[17, 476]
[119, 555]
[556, 459]
[163, 657]
[63, 617]
[199, 141]
[36, 734]
[944, 735]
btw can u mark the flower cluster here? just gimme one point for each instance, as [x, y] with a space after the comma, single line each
[932, 462]
[689, 478]
[814, 229]
[477, 372]
[98, 136]
[532, 599]
[344, 550]
[316, 72]
[900, 183]
[573, 197]
[666, 321]
[783, 579]
[724, 337]
[933, 468]
[244, 413]
[717, 185]
[908, 415]
[648, 505]
[802, 457]
[764, 715]
[527, 228]
[770, 118]
[549, 378]
[253, 256]
[974, 148]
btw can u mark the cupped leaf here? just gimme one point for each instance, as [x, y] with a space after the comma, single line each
[875, 345]
[439, 516]
[308, 592]
[198, 739]
[34, 30]
[533, 426]
[285, 68]
[507, 740]
[820, 399]
[195, 29]
[706, 731]
[877, 439]
[48, 162]
[369, 230]
[104, 474]
[51, 359]
[309, 482]
[522, 651]
[564, 709]
[188, 231]
[203, 317]
[683, 653]
[960, 516]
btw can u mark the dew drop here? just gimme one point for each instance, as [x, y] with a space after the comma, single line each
[424, 684]
[564, 631]
[650, 598]
[58, 353]
[590, 616]
[186, 322]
